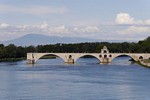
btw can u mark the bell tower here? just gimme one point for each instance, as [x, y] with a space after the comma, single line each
[104, 50]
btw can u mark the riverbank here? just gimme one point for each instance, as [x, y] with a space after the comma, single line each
[144, 63]
[11, 59]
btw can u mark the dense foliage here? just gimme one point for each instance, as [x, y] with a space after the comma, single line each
[12, 51]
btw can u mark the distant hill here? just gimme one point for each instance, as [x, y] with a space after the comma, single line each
[36, 39]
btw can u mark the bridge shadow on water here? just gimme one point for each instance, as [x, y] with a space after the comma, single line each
[122, 60]
[87, 61]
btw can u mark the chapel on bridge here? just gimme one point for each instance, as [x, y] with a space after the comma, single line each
[104, 50]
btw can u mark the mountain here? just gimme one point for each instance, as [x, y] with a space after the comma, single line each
[36, 39]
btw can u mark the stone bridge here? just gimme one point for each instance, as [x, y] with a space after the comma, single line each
[104, 57]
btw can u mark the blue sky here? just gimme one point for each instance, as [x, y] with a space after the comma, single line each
[127, 20]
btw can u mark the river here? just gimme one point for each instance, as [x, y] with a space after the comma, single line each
[51, 79]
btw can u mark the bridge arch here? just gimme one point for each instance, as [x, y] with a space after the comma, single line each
[90, 55]
[132, 56]
[141, 57]
[105, 56]
[51, 54]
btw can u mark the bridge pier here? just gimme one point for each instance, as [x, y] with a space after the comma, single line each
[29, 61]
[70, 61]
[105, 60]
[30, 58]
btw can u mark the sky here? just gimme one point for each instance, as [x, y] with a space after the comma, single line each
[127, 20]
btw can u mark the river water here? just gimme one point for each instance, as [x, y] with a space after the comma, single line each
[51, 79]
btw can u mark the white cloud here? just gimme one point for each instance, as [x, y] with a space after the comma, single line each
[4, 25]
[59, 29]
[36, 10]
[87, 29]
[147, 21]
[8, 32]
[91, 29]
[135, 30]
[44, 26]
[126, 19]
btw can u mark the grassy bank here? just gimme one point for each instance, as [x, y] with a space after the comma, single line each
[11, 59]
[145, 61]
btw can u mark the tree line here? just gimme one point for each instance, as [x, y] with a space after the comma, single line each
[12, 51]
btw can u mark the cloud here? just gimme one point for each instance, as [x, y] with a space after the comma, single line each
[8, 32]
[111, 32]
[147, 21]
[126, 19]
[135, 30]
[59, 29]
[4, 25]
[44, 25]
[87, 29]
[34, 10]
[44, 28]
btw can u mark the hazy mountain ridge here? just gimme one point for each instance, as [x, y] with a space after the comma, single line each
[36, 39]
